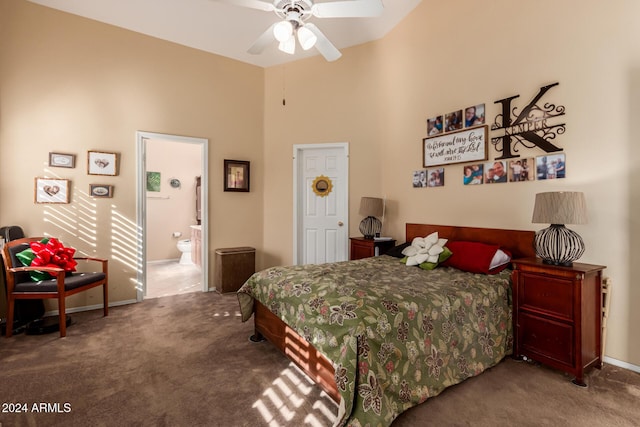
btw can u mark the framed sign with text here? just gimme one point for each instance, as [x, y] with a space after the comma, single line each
[467, 145]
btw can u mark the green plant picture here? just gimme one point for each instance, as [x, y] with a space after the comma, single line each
[153, 181]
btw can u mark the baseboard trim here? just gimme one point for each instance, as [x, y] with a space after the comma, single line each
[163, 261]
[90, 307]
[621, 364]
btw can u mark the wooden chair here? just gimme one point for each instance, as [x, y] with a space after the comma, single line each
[20, 286]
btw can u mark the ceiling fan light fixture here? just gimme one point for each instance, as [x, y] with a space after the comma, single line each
[288, 46]
[306, 38]
[282, 31]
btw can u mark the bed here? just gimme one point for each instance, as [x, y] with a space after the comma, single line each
[380, 337]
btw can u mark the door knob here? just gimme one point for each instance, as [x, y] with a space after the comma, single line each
[340, 223]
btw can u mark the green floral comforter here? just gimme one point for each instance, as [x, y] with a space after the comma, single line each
[396, 335]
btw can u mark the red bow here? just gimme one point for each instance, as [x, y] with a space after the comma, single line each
[53, 254]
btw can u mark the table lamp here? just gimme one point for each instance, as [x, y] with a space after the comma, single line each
[371, 208]
[557, 245]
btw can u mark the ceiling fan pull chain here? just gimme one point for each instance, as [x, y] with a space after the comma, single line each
[284, 83]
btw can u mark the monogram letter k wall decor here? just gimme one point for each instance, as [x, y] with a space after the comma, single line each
[530, 128]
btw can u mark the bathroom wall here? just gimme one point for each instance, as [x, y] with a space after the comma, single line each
[171, 209]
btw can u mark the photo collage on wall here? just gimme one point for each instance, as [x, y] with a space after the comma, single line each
[58, 190]
[469, 117]
[551, 166]
[520, 169]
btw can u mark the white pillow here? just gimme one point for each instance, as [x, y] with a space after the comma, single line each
[418, 242]
[409, 251]
[433, 259]
[431, 239]
[424, 249]
[435, 250]
[500, 258]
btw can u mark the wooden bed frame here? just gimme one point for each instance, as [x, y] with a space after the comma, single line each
[318, 367]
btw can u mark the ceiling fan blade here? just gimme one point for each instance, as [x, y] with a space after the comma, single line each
[252, 4]
[348, 9]
[263, 41]
[324, 46]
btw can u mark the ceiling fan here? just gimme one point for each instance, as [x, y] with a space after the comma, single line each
[294, 15]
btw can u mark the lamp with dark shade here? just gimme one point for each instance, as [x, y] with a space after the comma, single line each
[557, 245]
[371, 208]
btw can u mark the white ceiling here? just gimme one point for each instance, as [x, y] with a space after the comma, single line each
[226, 29]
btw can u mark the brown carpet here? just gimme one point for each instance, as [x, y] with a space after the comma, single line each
[185, 360]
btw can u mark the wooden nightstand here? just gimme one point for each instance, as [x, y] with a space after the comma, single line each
[558, 315]
[365, 248]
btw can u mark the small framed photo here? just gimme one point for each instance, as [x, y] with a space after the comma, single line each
[453, 121]
[551, 166]
[62, 160]
[153, 181]
[101, 190]
[495, 172]
[236, 175]
[473, 174]
[420, 178]
[435, 177]
[434, 126]
[102, 163]
[521, 170]
[48, 190]
[474, 116]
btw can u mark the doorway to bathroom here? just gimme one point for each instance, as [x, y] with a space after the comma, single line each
[172, 214]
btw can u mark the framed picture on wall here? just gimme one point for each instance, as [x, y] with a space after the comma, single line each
[463, 146]
[453, 121]
[48, 190]
[101, 190]
[153, 181]
[434, 126]
[474, 115]
[62, 160]
[420, 178]
[552, 166]
[102, 163]
[522, 169]
[495, 172]
[473, 174]
[435, 177]
[236, 175]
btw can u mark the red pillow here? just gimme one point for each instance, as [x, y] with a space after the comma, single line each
[474, 257]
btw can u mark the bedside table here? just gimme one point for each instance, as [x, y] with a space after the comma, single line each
[557, 315]
[365, 248]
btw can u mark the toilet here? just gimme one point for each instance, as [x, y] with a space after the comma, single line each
[184, 246]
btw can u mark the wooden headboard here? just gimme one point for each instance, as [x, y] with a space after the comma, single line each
[518, 242]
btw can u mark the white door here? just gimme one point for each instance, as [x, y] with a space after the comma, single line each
[321, 220]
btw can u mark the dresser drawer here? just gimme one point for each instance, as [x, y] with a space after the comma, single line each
[551, 295]
[546, 338]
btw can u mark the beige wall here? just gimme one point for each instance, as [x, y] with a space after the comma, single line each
[325, 102]
[69, 84]
[171, 209]
[449, 55]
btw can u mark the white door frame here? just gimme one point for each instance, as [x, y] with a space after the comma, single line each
[297, 209]
[141, 206]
